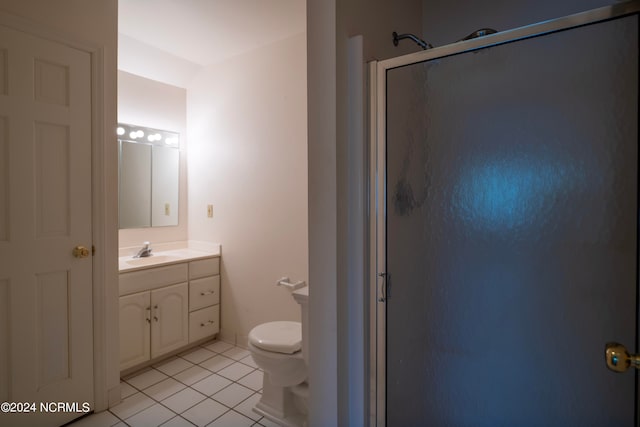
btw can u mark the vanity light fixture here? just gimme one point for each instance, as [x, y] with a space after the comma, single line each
[147, 135]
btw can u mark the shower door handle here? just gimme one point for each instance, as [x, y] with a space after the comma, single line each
[383, 294]
[618, 358]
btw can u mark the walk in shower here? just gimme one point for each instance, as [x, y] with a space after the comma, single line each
[505, 201]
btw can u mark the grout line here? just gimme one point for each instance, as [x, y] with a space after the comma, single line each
[189, 386]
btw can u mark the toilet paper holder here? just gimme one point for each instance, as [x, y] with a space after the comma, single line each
[292, 286]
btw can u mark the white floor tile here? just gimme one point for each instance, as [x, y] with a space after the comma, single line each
[232, 395]
[216, 363]
[197, 355]
[146, 379]
[246, 407]
[204, 412]
[173, 366]
[177, 422]
[212, 384]
[132, 405]
[164, 389]
[100, 419]
[126, 390]
[183, 400]
[236, 353]
[153, 416]
[192, 375]
[249, 361]
[219, 346]
[236, 371]
[232, 419]
[253, 380]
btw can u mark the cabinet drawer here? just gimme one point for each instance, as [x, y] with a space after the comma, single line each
[204, 322]
[204, 292]
[152, 278]
[204, 267]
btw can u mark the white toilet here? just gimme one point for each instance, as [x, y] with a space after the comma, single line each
[278, 349]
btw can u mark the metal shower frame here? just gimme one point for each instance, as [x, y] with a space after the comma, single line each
[377, 167]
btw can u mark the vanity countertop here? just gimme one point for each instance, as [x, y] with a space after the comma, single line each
[165, 254]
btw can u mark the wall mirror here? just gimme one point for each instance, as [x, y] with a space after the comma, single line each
[148, 179]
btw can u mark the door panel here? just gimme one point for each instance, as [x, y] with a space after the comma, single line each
[512, 232]
[135, 329]
[45, 191]
[170, 325]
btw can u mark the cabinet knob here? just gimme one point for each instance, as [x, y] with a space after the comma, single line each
[207, 323]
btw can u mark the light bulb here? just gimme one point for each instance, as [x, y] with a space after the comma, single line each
[120, 130]
[133, 135]
[140, 133]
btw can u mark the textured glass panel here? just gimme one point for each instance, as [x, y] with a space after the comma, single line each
[511, 232]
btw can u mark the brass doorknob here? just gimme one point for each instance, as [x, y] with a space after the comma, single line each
[80, 252]
[618, 358]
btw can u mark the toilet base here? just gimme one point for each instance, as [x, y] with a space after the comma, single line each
[285, 406]
[291, 421]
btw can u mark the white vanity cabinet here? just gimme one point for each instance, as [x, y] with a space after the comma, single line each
[165, 308]
[204, 299]
[153, 323]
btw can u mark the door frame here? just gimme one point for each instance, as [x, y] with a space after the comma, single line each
[377, 167]
[102, 227]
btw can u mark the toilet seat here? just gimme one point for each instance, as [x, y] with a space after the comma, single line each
[279, 337]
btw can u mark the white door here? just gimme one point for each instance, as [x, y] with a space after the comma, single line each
[170, 324]
[46, 330]
[135, 329]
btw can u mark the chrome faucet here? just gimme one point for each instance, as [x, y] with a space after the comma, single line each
[144, 252]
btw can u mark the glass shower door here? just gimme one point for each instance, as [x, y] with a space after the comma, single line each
[511, 232]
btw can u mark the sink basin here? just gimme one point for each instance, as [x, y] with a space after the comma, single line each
[153, 259]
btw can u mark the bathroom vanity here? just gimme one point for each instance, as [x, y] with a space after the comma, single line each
[167, 302]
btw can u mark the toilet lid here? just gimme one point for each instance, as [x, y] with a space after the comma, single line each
[280, 337]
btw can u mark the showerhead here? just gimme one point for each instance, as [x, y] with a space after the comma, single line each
[425, 45]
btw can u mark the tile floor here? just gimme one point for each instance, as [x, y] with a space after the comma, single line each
[215, 384]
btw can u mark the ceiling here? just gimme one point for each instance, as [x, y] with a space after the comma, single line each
[204, 32]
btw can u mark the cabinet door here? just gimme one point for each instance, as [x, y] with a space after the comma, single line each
[170, 324]
[135, 337]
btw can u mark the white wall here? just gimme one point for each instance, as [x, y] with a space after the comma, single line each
[144, 60]
[94, 22]
[338, 372]
[146, 102]
[247, 157]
